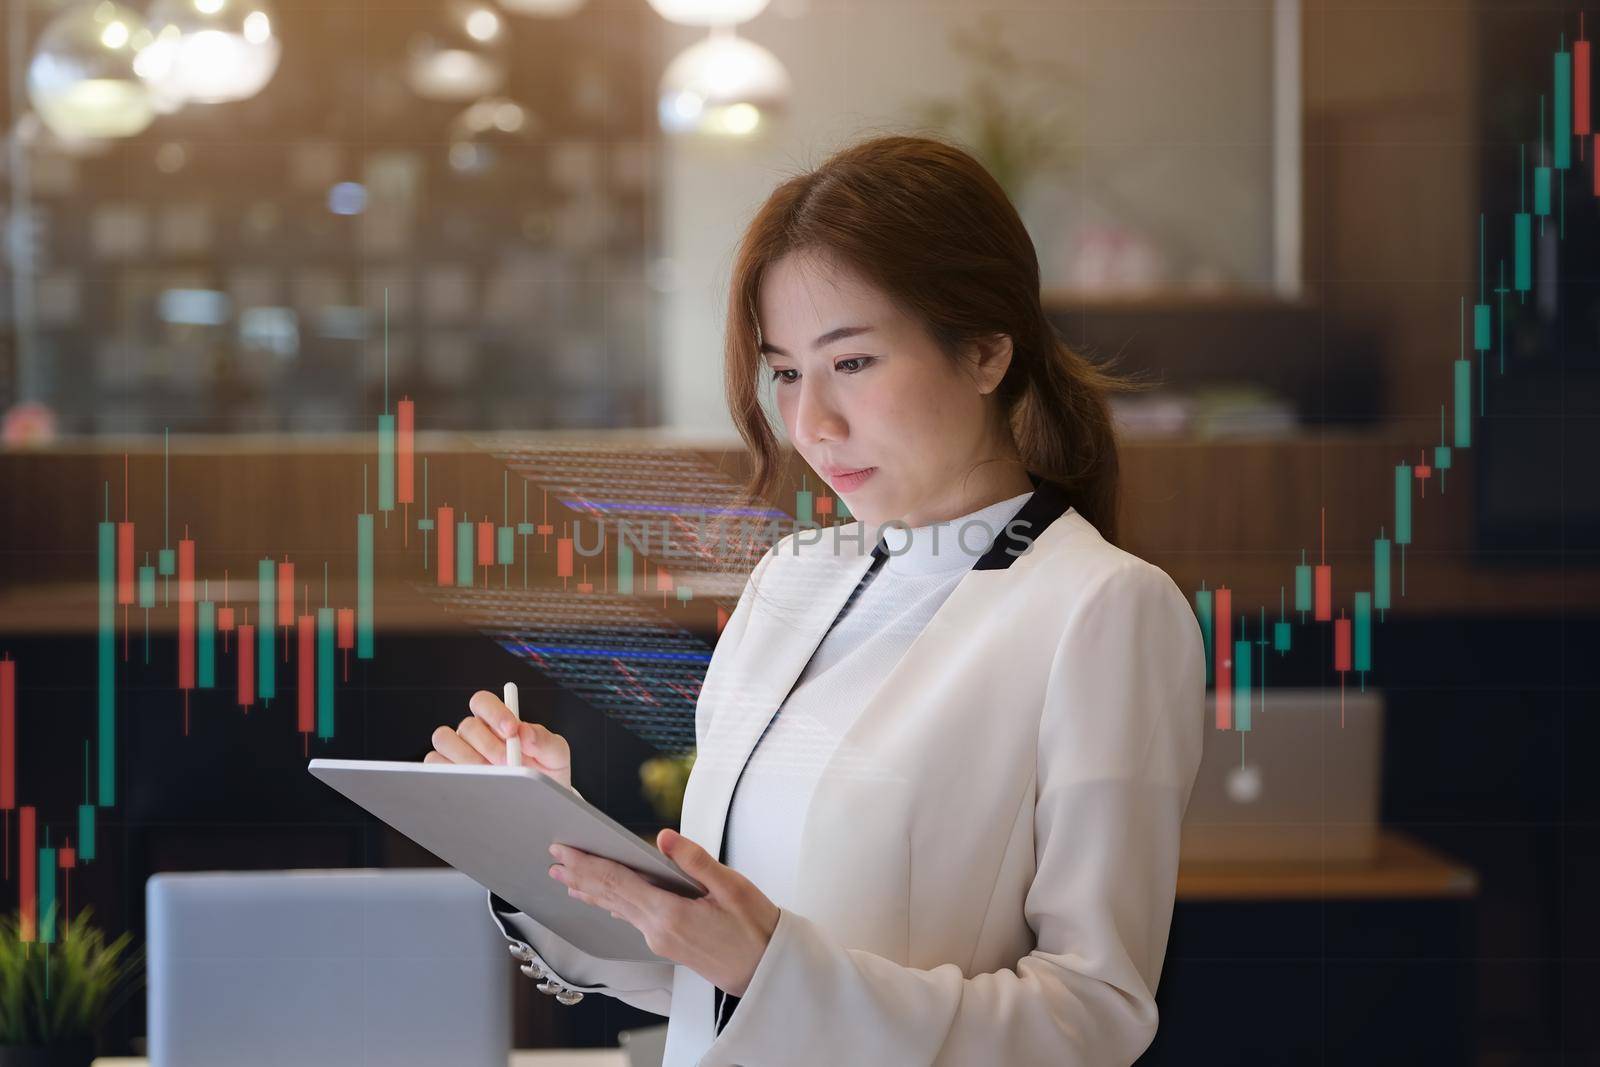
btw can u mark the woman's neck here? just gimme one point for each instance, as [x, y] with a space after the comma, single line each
[989, 483]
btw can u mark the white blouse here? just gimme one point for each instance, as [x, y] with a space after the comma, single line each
[770, 802]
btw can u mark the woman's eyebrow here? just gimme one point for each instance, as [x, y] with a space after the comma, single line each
[828, 338]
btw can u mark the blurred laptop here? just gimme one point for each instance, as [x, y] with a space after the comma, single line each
[1300, 785]
[317, 968]
[646, 1046]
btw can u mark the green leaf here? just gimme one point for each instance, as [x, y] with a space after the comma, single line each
[68, 989]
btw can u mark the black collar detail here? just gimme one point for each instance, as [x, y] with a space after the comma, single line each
[1046, 505]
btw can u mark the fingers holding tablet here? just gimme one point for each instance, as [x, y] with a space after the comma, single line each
[449, 746]
[481, 738]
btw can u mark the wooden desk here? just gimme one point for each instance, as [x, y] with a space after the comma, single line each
[1404, 869]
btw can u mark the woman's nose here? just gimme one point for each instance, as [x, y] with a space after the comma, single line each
[815, 418]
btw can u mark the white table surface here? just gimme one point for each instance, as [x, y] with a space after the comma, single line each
[578, 1057]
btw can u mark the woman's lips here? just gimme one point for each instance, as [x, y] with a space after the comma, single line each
[846, 482]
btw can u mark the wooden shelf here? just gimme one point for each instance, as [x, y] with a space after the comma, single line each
[1402, 870]
[1234, 512]
[1067, 301]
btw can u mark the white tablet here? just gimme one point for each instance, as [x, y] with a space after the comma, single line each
[496, 823]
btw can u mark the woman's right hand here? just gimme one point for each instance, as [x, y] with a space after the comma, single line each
[481, 738]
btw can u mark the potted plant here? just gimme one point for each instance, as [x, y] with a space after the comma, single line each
[664, 779]
[1012, 114]
[54, 998]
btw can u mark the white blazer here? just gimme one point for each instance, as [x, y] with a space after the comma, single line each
[987, 869]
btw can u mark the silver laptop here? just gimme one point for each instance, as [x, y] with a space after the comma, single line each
[1301, 785]
[317, 968]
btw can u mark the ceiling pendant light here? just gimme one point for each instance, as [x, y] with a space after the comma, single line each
[83, 79]
[725, 86]
[460, 55]
[545, 9]
[708, 12]
[489, 130]
[210, 51]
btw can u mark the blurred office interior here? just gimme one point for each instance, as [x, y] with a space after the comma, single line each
[488, 241]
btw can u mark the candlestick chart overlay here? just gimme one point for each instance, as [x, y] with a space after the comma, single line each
[602, 614]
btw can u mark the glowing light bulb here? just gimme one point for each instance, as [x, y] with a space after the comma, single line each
[723, 86]
[209, 52]
[82, 79]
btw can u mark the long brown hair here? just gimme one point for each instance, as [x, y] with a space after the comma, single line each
[925, 222]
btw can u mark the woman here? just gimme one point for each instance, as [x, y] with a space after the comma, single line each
[939, 783]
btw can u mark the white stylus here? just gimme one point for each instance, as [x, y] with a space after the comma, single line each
[513, 743]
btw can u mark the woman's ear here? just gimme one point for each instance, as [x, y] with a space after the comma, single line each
[990, 357]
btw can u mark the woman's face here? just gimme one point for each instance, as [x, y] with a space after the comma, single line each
[861, 386]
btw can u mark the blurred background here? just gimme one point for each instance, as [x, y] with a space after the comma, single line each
[330, 333]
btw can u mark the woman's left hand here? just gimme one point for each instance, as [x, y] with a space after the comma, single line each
[720, 936]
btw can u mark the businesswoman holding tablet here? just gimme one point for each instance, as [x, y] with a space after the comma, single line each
[943, 749]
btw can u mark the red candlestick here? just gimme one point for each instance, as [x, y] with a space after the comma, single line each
[1224, 651]
[186, 609]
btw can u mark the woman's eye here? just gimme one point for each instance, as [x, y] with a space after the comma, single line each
[844, 365]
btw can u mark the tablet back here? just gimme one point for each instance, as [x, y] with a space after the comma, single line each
[324, 968]
[496, 823]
